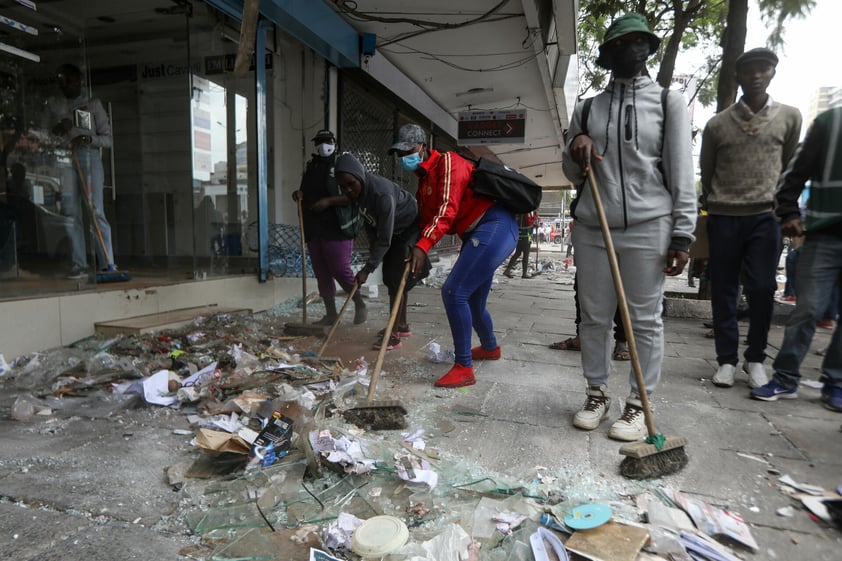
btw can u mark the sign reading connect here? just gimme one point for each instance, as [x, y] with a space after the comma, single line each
[492, 127]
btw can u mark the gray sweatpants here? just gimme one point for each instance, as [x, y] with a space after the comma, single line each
[641, 253]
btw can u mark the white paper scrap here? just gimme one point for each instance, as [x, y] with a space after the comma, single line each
[806, 488]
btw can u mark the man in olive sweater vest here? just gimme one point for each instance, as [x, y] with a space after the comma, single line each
[744, 150]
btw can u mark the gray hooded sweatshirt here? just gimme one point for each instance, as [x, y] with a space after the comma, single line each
[647, 166]
[388, 210]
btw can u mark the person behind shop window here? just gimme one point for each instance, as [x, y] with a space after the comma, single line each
[488, 232]
[81, 129]
[330, 249]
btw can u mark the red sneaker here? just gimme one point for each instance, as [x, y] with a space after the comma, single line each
[827, 323]
[459, 376]
[478, 353]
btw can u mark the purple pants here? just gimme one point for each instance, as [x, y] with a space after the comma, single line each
[331, 260]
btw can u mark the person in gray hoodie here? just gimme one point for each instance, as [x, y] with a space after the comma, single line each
[390, 217]
[639, 136]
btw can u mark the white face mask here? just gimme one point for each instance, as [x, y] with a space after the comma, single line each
[324, 150]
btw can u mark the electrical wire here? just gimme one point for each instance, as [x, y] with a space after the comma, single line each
[352, 12]
[502, 67]
[349, 9]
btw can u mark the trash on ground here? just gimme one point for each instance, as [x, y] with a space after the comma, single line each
[715, 521]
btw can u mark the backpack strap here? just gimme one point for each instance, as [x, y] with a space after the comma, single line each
[586, 111]
[664, 95]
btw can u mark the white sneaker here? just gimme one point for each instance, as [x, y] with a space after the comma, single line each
[724, 377]
[631, 425]
[757, 376]
[594, 410]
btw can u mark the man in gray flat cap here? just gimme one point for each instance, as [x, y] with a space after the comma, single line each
[744, 150]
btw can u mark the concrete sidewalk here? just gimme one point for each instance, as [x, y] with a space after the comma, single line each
[91, 489]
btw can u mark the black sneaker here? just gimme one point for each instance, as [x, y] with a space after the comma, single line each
[394, 343]
[402, 331]
[76, 272]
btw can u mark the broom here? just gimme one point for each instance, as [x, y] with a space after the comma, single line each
[658, 455]
[110, 272]
[385, 415]
[336, 321]
[303, 328]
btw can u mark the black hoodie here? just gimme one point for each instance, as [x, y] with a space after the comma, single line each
[387, 209]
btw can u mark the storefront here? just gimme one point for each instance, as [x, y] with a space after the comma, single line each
[190, 153]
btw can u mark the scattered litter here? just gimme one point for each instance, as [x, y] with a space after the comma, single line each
[379, 536]
[715, 521]
[588, 516]
[507, 521]
[414, 469]
[754, 458]
[435, 353]
[786, 512]
[610, 542]
[706, 548]
[319, 555]
[539, 541]
[272, 443]
[804, 487]
[337, 534]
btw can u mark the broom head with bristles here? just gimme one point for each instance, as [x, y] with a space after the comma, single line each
[646, 461]
[305, 329]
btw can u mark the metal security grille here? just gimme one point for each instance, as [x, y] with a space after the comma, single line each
[367, 129]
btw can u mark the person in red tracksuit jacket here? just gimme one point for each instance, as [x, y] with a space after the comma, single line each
[446, 205]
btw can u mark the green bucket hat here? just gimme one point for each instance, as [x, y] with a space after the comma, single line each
[623, 25]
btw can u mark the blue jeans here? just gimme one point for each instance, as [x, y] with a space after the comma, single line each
[747, 245]
[819, 265]
[465, 292]
[90, 164]
[792, 287]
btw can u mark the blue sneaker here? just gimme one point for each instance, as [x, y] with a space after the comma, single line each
[773, 391]
[832, 397]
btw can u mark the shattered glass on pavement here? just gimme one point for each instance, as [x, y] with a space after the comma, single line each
[227, 374]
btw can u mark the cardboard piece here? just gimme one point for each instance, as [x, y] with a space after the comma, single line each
[610, 542]
[216, 442]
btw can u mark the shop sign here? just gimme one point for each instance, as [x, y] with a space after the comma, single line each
[492, 127]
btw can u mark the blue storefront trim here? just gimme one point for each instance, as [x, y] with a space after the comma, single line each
[311, 22]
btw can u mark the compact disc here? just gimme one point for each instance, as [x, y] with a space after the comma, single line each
[586, 517]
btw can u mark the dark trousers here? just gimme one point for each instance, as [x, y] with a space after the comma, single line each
[523, 245]
[619, 329]
[749, 245]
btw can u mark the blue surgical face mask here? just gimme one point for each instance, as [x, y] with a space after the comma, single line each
[410, 162]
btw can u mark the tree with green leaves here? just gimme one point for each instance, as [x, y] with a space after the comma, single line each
[776, 12]
[681, 25]
[715, 28]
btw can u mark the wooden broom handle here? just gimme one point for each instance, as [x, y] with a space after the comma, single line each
[336, 322]
[375, 374]
[303, 264]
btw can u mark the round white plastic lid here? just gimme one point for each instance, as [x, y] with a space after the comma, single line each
[378, 536]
